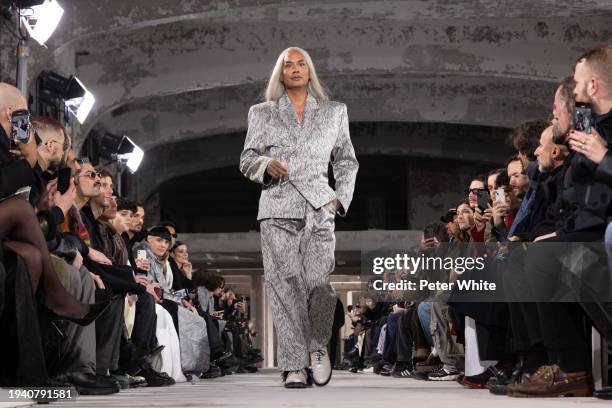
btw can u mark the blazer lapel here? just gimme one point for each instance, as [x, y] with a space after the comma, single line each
[311, 112]
[286, 113]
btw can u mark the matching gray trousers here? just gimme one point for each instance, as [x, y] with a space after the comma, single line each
[298, 258]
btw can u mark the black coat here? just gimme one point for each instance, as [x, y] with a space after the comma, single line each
[14, 173]
[586, 200]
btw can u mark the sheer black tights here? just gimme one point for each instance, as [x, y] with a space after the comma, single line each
[19, 226]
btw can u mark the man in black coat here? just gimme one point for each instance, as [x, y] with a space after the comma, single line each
[580, 217]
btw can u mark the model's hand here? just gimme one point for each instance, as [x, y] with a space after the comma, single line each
[277, 169]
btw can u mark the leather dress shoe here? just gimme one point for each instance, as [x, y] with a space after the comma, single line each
[320, 367]
[91, 384]
[551, 381]
[296, 379]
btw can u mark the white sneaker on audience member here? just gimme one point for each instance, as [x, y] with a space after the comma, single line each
[296, 379]
[321, 367]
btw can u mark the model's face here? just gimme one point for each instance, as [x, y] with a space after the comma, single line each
[138, 220]
[158, 245]
[465, 217]
[88, 179]
[295, 71]
[519, 182]
[472, 197]
[181, 254]
[122, 221]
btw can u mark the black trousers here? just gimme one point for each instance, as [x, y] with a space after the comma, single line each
[21, 349]
[145, 323]
[217, 346]
[562, 324]
[404, 337]
[109, 329]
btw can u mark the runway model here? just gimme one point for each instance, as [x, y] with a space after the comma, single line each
[291, 140]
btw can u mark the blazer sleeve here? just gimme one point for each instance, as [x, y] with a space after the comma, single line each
[344, 164]
[603, 171]
[253, 163]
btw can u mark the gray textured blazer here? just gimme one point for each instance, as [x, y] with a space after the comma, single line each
[307, 149]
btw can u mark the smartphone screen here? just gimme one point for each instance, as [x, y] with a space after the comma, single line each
[20, 125]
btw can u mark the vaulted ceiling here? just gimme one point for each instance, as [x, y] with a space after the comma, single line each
[170, 71]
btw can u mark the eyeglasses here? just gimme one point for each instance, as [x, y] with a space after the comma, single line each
[474, 190]
[91, 174]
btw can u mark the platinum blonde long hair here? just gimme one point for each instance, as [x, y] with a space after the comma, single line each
[275, 88]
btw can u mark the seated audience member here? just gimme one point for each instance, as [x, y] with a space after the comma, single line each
[195, 350]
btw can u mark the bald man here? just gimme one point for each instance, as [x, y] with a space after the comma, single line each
[16, 164]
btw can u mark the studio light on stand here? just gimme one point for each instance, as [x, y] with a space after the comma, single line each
[122, 150]
[36, 19]
[57, 91]
[40, 18]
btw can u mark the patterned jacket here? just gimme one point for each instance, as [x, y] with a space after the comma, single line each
[307, 149]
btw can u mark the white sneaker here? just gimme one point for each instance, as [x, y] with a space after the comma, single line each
[296, 379]
[321, 367]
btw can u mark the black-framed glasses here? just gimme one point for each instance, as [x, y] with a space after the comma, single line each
[474, 190]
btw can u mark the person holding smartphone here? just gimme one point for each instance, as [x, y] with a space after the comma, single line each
[17, 158]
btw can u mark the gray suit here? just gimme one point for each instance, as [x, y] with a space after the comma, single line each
[297, 217]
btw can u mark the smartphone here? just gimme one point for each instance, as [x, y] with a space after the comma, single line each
[20, 125]
[483, 199]
[63, 179]
[500, 195]
[141, 254]
[428, 233]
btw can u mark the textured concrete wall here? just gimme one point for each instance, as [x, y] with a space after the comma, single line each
[170, 72]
